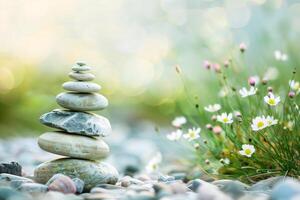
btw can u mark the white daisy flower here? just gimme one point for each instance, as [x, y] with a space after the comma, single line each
[175, 135]
[192, 134]
[295, 85]
[212, 108]
[153, 164]
[225, 118]
[280, 56]
[245, 93]
[259, 123]
[179, 121]
[247, 150]
[271, 121]
[271, 99]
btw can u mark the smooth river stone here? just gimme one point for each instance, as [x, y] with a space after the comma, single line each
[82, 102]
[81, 123]
[75, 146]
[91, 172]
[82, 76]
[80, 63]
[81, 68]
[80, 86]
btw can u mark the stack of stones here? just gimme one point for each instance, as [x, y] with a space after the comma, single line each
[80, 133]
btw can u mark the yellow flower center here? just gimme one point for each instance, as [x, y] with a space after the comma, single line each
[225, 119]
[260, 124]
[272, 101]
[248, 151]
[192, 134]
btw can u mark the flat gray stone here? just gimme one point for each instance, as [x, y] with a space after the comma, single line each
[233, 188]
[75, 146]
[11, 177]
[90, 172]
[7, 193]
[266, 185]
[53, 195]
[13, 180]
[81, 76]
[209, 191]
[33, 188]
[288, 189]
[82, 87]
[81, 123]
[82, 102]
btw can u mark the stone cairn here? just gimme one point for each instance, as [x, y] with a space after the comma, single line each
[80, 133]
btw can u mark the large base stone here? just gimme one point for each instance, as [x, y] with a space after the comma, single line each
[92, 173]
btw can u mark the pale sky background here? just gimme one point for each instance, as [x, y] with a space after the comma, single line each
[135, 44]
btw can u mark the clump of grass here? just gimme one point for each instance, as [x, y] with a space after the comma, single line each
[251, 132]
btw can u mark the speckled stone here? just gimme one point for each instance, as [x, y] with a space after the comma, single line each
[75, 146]
[11, 168]
[82, 87]
[81, 123]
[81, 76]
[82, 102]
[91, 172]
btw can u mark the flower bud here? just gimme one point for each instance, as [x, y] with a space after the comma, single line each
[207, 162]
[209, 127]
[270, 89]
[264, 81]
[226, 63]
[252, 81]
[214, 118]
[206, 64]
[217, 130]
[237, 114]
[292, 94]
[177, 68]
[216, 67]
[243, 47]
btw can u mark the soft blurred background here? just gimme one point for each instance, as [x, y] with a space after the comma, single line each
[133, 46]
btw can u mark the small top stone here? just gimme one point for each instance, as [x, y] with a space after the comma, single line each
[80, 67]
[80, 63]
